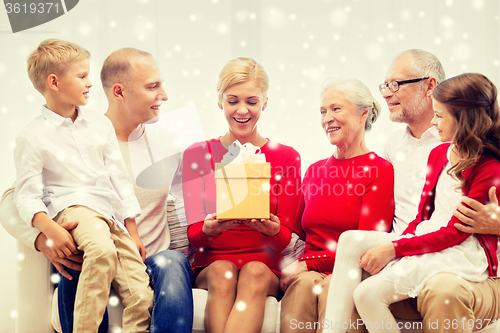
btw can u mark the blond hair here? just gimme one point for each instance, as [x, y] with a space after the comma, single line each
[53, 56]
[241, 70]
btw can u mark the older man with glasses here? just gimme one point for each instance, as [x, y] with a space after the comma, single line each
[447, 303]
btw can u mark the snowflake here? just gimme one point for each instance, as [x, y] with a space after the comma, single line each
[339, 17]
[241, 306]
[228, 275]
[354, 274]
[84, 29]
[478, 4]
[14, 314]
[20, 256]
[55, 278]
[113, 300]
[317, 289]
[160, 261]
[223, 28]
[331, 245]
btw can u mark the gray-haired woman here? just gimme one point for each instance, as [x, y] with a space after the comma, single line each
[351, 190]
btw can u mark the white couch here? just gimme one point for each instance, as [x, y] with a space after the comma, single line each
[35, 295]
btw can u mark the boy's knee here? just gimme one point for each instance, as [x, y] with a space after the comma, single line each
[143, 300]
[104, 253]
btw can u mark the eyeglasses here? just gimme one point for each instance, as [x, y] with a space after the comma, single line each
[394, 85]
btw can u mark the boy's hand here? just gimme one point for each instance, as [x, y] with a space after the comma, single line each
[140, 246]
[132, 230]
[58, 239]
[74, 261]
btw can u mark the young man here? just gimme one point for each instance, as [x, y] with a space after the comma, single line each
[134, 89]
[68, 170]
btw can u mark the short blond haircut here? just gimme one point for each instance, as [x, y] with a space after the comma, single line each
[53, 56]
[242, 70]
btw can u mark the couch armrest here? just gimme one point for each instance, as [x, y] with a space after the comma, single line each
[34, 291]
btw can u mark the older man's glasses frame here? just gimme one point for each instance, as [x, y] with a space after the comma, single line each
[394, 85]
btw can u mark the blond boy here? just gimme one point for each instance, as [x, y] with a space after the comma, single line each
[69, 168]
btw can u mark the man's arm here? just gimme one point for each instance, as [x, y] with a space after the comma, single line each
[12, 222]
[32, 237]
[479, 218]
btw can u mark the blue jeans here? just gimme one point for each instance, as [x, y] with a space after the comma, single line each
[171, 276]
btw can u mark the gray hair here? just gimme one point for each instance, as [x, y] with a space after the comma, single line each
[423, 64]
[357, 93]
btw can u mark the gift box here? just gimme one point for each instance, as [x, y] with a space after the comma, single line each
[242, 190]
[242, 183]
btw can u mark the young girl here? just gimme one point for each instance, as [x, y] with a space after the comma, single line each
[467, 115]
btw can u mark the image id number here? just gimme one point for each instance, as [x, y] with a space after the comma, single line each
[42, 8]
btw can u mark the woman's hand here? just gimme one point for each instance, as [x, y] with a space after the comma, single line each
[295, 268]
[213, 227]
[269, 227]
[377, 258]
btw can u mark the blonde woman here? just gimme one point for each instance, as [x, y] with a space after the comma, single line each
[239, 261]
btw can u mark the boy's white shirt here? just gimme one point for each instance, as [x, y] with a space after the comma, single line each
[61, 163]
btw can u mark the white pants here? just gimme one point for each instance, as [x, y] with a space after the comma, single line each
[372, 296]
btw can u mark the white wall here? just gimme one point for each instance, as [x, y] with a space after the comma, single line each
[300, 43]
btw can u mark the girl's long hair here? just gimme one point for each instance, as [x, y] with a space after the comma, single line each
[471, 98]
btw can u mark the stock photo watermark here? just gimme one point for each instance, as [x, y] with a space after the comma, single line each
[24, 15]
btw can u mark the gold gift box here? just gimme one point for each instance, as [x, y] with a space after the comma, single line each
[242, 190]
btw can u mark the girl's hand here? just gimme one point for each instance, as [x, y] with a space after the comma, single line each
[269, 227]
[377, 258]
[213, 227]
